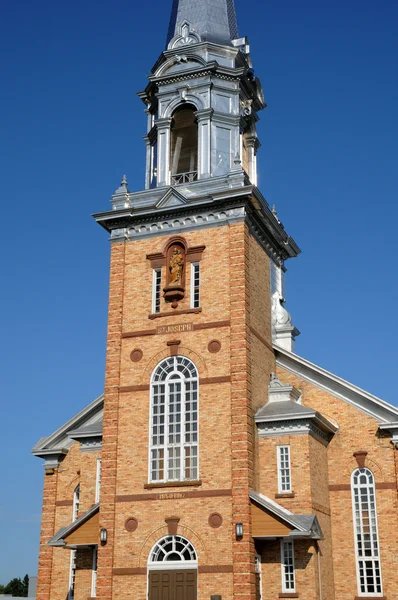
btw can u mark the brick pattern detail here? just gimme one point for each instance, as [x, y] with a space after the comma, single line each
[47, 531]
[111, 420]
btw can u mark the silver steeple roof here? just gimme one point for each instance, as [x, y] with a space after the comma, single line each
[213, 20]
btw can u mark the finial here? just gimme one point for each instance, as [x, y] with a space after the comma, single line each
[122, 189]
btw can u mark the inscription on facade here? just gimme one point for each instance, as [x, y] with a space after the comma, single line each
[172, 496]
[174, 328]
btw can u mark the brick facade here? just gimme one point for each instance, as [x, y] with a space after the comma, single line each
[235, 302]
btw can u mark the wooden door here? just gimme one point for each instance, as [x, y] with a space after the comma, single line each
[172, 585]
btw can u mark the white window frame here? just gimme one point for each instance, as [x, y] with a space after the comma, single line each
[155, 428]
[94, 573]
[156, 289]
[287, 564]
[259, 572]
[76, 503]
[72, 575]
[98, 480]
[359, 533]
[195, 269]
[282, 469]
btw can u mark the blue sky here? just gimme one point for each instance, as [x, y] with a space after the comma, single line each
[71, 125]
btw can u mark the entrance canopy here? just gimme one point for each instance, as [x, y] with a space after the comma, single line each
[271, 520]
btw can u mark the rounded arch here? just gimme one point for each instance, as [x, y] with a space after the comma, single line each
[184, 351]
[174, 367]
[362, 476]
[189, 99]
[173, 551]
[176, 61]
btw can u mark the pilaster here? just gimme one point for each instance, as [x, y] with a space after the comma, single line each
[110, 424]
[163, 127]
[242, 432]
[47, 531]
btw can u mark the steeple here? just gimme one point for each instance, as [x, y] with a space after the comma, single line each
[213, 20]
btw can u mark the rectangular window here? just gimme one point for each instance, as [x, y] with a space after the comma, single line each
[287, 565]
[195, 285]
[156, 290]
[98, 481]
[72, 575]
[284, 471]
[94, 573]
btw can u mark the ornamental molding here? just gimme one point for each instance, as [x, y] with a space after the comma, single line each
[92, 443]
[292, 427]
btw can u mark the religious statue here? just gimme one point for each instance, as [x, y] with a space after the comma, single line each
[176, 266]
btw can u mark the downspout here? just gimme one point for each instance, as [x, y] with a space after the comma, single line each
[318, 552]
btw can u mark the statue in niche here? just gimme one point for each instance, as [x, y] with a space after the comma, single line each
[175, 278]
[176, 267]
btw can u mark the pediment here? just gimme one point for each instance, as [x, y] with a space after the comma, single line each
[171, 198]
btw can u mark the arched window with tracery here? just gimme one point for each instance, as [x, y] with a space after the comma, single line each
[174, 550]
[174, 421]
[367, 549]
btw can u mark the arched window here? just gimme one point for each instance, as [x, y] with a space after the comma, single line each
[174, 421]
[173, 549]
[366, 534]
[76, 503]
[184, 145]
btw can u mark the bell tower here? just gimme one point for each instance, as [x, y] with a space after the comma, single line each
[195, 303]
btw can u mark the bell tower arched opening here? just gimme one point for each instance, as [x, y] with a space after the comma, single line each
[184, 145]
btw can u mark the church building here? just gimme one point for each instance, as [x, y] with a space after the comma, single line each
[218, 464]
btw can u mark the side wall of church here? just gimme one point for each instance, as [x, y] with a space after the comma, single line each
[357, 432]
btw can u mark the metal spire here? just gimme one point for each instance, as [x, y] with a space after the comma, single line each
[213, 20]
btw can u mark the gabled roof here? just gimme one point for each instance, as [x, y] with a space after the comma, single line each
[371, 405]
[59, 538]
[303, 525]
[58, 443]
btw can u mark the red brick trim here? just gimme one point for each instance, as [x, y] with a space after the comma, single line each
[209, 380]
[64, 503]
[149, 486]
[142, 333]
[174, 347]
[370, 597]
[380, 485]
[261, 339]
[339, 487]
[360, 457]
[212, 325]
[288, 595]
[386, 486]
[173, 313]
[134, 388]
[172, 525]
[195, 327]
[133, 571]
[215, 569]
[291, 495]
[182, 494]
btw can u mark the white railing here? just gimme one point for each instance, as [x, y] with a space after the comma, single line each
[184, 177]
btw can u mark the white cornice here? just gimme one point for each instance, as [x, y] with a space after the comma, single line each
[59, 441]
[369, 404]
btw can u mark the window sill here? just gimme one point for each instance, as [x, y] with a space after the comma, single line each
[173, 313]
[370, 597]
[288, 595]
[168, 484]
[287, 495]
